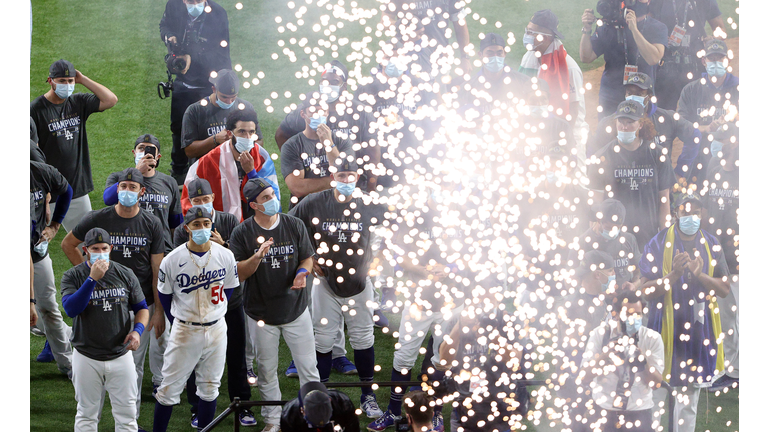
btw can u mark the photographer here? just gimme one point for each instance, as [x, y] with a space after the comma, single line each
[631, 42]
[319, 410]
[622, 364]
[418, 412]
[197, 34]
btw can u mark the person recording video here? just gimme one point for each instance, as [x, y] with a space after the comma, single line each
[196, 33]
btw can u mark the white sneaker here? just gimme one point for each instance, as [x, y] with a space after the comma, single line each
[271, 428]
[370, 406]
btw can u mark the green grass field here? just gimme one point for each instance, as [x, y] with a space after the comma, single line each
[117, 44]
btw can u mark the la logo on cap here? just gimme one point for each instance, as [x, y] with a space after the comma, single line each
[199, 190]
[129, 176]
[100, 238]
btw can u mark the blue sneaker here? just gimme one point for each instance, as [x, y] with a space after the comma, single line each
[437, 420]
[344, 366]
[370, 407]
[45, 356]
[292, 372]
[247, 418]
[723, 382]
[193, 423]
[379, 320]
[386, 421]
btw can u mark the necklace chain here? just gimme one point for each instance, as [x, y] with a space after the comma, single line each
[194, 261]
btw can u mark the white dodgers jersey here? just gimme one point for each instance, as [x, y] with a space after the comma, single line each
[197, 287]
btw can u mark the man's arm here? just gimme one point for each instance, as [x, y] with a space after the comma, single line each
[586, 53]
[69, 246]
[663, 208]
[462, 37]
[247, 268]
[449, 349]
[652, 53]
[281, 137]
[32, 310]
[107, 99]
[157, 320]
[716, 23]
[301, 187]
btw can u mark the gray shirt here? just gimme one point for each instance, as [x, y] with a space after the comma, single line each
[203, 121]
[268, 293]
[99, 331]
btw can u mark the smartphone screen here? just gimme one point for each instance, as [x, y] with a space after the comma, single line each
[150, 150]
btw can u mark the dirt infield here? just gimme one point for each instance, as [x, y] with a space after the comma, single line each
[594, 75]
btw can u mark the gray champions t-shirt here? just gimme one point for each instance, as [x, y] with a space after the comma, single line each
[160, 199]
[134, 241]
[99, 331]
[268, 293]
[322, 214]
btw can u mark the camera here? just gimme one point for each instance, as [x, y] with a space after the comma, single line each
[174, 60]
[612, 11]
[402, 425]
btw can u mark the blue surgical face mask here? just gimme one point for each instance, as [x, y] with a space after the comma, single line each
[610, 235]
[716, 69]
[392, 70]
[611, 282]
[195, 10]
[345, 189]
[243, 145]
[223, 105]
[636, 98]
[529, 39]
[64, 90]
[208, 206]
[201, 236]
[127, 198]
[494, 64]
[551, 177]
[314, 122]
[626, 137]
[333, 92]
[99, 256]
[634, 326]
[271, 207]
[138, 157]
[716, 147]
[538, 110]
[41, 248]
[689, 225]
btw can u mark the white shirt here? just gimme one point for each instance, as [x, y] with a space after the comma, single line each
[604, 387]
[197, 287]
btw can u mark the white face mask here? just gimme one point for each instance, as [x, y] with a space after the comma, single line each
[139, 157]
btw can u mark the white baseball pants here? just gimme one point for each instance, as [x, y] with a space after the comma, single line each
[299, 337]
[193, 348]
[91, 378]
[50, 320]
[356, 311]
[415, 323]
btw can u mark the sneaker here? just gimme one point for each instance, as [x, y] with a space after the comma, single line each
[253, 380]
[292, 372]
[45, 356]
[36, 331]
[370, 406]
[387, 295]
[437, 421]
[344, 366]
[271, 428]
[193, 422]
[247, 418]
[385, 421]
[379, 320]
[141, 429]
[723, 382]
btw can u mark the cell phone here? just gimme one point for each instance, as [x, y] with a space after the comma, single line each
[151, 150]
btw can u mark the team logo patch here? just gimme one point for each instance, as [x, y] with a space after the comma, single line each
[161, 276]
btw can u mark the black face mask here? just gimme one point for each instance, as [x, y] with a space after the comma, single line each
[640, 9]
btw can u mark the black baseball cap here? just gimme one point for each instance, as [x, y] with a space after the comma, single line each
[345, 165]
[196, 212]
[641, 80]
[547, 19]
[338, 68]
[254, 187]
[130, 174]
[96, 236]
[149, 139]
[725, 132]
[61, 69]
[630, 109]
[314, 398]
[492, 39]
[594, 260]
[611, 208]
[684, 199]
[226, 81]
[199, 187]
[716, 46]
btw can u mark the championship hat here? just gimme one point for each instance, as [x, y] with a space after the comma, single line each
[547, 19]
[196, 212]
[630, 109]
[226, 81]
[338, 68]
[725, 132]
[684, 199]
[716, 46]
[149, 139]
[199, 187]
[97, 235]
[254, 187]
[314, 398]
[641, 80]
[492, 39]
[344, 165]
[130, 174]
[611, 210]
[61, 69]
[594, 260]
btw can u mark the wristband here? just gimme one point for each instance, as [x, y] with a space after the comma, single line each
[139, 328]
[33, 301]
[301, 270]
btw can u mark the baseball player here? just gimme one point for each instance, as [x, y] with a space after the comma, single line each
[276, 300]
[319, 410]
[99, 295]
[195, 283]
[338, 221]
[43, 180]
[137, 243]
[222, 224]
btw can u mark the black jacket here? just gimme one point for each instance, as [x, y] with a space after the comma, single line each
[207, 54]
[343, 415]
